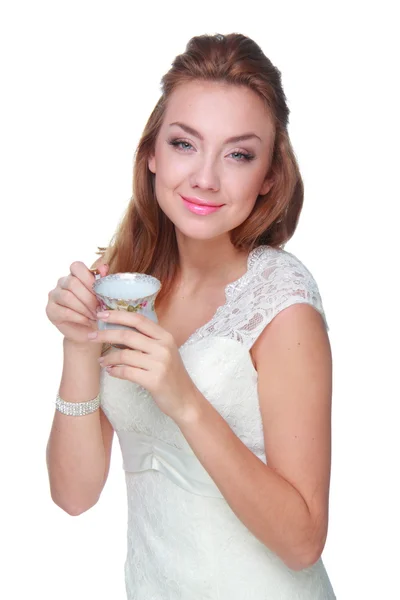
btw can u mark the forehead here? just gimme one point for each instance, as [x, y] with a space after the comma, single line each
[214, 108]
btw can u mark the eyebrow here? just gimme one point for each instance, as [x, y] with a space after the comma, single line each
[231, 140]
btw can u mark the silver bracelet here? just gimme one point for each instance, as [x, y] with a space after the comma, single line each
[77, 409]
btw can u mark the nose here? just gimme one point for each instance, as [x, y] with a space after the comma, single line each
[205, 175]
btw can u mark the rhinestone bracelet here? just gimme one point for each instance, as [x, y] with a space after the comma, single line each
[77, 409]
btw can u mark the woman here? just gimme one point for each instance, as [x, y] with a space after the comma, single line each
[223, 408]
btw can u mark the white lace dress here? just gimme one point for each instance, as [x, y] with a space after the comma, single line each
[184, 541]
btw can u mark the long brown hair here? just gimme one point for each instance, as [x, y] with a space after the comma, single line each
[145, 240]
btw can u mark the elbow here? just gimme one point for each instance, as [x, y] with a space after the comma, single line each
[305, 559]
[308, 553]
[74, 510]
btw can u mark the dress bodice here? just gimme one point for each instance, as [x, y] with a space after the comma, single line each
[169, 491]
[217, 357]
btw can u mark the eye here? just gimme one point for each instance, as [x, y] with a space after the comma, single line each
[242, 156]
[181, 144]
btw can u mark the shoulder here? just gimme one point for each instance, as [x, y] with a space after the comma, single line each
[275, 281]
[278, 263]
[280, 279]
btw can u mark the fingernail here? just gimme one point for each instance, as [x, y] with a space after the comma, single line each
[92, 335]
[103, 315]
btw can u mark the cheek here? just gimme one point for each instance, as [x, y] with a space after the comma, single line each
[168, 179]
[244, 187]
[171, 169]
[246, 207]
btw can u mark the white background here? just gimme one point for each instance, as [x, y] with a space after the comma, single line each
[79, 80]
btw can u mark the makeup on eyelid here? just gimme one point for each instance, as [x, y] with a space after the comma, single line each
[175, 142]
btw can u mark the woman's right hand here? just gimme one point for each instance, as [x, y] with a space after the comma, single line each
[72, 304]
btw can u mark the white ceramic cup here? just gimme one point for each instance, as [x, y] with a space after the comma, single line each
[132, 292]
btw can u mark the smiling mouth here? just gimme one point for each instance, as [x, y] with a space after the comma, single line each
[200, 202]
[200, 208]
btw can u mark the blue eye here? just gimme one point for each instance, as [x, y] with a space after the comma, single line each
[180, 144]
[185, 146]
[240, 156]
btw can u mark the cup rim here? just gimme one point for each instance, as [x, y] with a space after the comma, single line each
[127, 277]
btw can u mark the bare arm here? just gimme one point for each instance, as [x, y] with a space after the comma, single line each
[283, 503]
[79, 448]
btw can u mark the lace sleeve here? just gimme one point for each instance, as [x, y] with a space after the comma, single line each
[281, 281]
[275, 280]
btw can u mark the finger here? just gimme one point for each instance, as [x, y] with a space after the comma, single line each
[130, 358]
[80, 270]
[77, 288]
[134, 340]
[143, 324]
[134, 374]
[57, 305]
[63, 314]
[68, 299]
[103, 270]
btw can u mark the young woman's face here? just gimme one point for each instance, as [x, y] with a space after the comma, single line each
[211, 158]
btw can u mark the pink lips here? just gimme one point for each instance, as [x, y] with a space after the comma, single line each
[199, 209]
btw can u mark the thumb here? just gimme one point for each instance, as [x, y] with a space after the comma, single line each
[103, 270]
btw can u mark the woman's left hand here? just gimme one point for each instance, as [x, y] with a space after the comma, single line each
[151, 360]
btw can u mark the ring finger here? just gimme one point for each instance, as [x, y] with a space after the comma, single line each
[130, 358]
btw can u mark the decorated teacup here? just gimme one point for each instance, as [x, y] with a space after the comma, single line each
[133, 292]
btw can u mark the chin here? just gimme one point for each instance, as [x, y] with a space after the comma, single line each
[204, 227]
[200, 233]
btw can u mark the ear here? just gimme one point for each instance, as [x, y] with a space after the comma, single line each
[152, 163]
[266, 186]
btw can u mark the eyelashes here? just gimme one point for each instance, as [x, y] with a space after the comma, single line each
[180, 144]
[184, 146]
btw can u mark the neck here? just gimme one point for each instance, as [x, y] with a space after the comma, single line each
[205, 263]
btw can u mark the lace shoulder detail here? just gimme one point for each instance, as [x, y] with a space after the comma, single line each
[275, 280]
